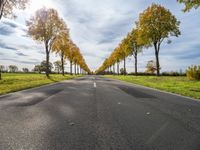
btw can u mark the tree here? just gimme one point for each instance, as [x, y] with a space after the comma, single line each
[71, 54]
[124, 52]
[37, 68]
[156, 24]
[45, 26]
[122, 71]
[2, 68]
[61, 46]
[43, 66]
[189, 4]
[151, 67]
[58, 66]
[13, 68]
[134, 47]
[7, 6]
[25, 70]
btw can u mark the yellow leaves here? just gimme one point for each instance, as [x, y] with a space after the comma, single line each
[45, 25]
[156, 23]
[48, 27]
[189, 4]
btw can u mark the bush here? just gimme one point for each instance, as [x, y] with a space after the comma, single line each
[172, 73]
[163, 74]
[193, 73]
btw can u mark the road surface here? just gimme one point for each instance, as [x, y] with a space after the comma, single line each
[96, 113]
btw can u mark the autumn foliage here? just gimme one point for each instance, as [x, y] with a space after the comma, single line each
[155, 25]
[47, 27]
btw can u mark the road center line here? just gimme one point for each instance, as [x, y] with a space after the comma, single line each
[95, 85]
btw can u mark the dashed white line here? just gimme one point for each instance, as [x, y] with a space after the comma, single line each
[95, 85]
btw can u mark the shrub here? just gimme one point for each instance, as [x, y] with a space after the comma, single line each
[193, 73]
[172, 73]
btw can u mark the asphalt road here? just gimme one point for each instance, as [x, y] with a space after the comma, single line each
[96, 113]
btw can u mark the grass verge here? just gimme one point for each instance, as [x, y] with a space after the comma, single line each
[178, 85]
[15, 82]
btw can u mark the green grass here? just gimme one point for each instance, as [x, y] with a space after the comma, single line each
[15, 82]
[178, 85]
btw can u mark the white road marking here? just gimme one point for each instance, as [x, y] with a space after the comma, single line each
[95, 85]
[148, 113]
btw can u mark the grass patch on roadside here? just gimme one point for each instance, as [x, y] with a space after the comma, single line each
[13, 82]
[178, 85]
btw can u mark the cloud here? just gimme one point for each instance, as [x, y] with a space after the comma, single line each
[4, 46]
[8, 27]
[21, 54]
[20, 61]
[6, 31]
[10, 24]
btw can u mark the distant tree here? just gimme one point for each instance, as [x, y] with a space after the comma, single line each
[151, 67]
[122, 71]
[2, 68]
[37, 68]
[45, 26]
[189, 4]
[43, 66]
[13, 68]
[25, 70]
[155, 24]
[7, 6]
[58, 66]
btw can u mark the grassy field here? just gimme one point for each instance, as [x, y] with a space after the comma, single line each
[16, 82]
[178, 85]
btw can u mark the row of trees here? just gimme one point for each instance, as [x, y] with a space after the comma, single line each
[56, 67]
[46, 26]
[10, 68]
[155, 25]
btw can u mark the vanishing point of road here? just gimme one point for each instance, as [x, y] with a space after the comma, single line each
[97, 113]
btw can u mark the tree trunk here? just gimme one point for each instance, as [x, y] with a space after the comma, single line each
[124, 65]
[75, 68]
[118, 67]
[78, 69]
[2, 5]
[157, 58]
[62, 62]
[71, 67]
[136, 63]
[47, 59]
[113, 68]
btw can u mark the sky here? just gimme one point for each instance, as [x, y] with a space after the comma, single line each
[97, 27]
